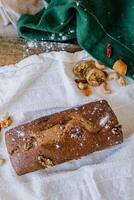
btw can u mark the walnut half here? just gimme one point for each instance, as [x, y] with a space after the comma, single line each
[80, 69]
[95, 77]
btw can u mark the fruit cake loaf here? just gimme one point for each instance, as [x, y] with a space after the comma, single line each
[67, 135]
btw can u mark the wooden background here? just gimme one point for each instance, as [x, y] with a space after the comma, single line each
[12, 50]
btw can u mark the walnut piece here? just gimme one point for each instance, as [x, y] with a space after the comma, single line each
[105, 88]
[113, 76]
[122, 81]
[82, 86]
[91, 73]
[45, 162]
[87, 92]
[29, 143]
[99, 66]
[95, 77]
[116, 129]
[81, 68]
[7, 121]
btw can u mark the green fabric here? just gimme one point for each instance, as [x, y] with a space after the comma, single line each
[93, 23]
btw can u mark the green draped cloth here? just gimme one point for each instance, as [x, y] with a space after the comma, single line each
[92, 23]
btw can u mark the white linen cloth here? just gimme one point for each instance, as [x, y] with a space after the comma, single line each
[44, 84]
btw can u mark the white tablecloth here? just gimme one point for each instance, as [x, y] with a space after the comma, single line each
[40, 85]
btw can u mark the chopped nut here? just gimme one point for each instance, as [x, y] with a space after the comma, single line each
[105, 88]
[87, 92]
[6, 122]
[120, 67]
[81, 68]
[82, 86]
[45, 162]
[116, 129]
[96, 77]
[27, 146]
[99, 66]
[113, 76]
[29, 143]
[1, 161]
[122, 81]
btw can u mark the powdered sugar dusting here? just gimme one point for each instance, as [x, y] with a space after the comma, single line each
[104, 120]
[31, 44]
[57, 146]
[13, 140]
[77, 3]
[36, 47]
[20, 133]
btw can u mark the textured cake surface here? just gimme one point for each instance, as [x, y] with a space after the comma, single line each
[63, 136]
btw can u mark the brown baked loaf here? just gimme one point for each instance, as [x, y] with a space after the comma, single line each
[63, 136]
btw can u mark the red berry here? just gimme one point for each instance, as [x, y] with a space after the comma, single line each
[109, 50]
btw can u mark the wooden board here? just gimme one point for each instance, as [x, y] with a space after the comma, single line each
[12, 50]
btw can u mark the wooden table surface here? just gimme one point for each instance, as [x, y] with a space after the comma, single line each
[12, 50]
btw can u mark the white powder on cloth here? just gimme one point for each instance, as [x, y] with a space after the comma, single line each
[30, 46]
